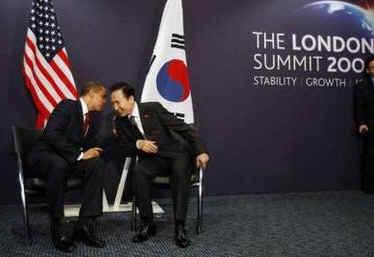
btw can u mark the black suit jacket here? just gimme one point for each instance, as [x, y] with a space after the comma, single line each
[364, 101]
[161, 126]
[172, 135]
[63, 134]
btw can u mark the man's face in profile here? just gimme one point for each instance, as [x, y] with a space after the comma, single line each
[370, 69]
[98, 99]
[121, 104]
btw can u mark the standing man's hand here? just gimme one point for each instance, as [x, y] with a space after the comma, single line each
[92, 153]
[363, 129]
[202, 160]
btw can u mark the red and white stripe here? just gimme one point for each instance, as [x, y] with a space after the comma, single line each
[48, 82]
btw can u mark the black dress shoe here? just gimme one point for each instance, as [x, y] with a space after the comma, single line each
[86, 236]
[61, 241]
[144, 232]
[181, 238]
[64, 244]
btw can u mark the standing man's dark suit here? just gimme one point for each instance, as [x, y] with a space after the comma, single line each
[159, 152]
[364, 112]
[66, 149]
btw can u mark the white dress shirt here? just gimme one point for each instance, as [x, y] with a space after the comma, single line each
[136, 115]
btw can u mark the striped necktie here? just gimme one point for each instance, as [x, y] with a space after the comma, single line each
[86, 123]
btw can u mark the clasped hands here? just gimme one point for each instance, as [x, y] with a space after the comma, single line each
[92, 153]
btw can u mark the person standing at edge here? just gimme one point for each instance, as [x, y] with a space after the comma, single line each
[364, 112]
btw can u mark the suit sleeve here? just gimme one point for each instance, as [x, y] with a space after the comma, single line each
[186, 131]
[124, 144]
[360, 105]
[54, 133]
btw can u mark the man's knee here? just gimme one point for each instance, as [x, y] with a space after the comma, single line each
[182, 167]
[59, 163]
[95, 164]
[181, 176]
[59, 170]
[139, 169]
[142, 171]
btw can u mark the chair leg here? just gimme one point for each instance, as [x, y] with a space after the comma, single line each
[133, 215]
[25, 211]
[198, 228]
[28, 239]
[199, 220]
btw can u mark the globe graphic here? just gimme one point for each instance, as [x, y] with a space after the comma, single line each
[172, 81]
[336, 17]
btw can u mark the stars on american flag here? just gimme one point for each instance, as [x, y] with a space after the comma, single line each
[44, 25]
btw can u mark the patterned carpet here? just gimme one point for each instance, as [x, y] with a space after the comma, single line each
[263, 225]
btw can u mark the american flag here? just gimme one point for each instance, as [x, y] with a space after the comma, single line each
[46, 66]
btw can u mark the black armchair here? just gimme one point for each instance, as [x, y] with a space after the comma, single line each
[23, 140]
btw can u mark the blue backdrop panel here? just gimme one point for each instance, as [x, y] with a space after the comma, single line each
[272, 82]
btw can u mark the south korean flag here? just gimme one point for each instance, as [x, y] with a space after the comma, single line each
[167, 80]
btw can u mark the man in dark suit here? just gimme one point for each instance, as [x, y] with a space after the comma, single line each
[145, 130]
[68, 147]
[364, 112]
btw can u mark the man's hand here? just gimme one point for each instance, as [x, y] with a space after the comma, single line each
[147, 146]
[92, 153]
[202, 160]
[363, 129]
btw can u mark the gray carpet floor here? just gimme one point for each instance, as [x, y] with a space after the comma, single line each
[261, 225]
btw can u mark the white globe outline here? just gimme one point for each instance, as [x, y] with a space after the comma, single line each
[335, 6]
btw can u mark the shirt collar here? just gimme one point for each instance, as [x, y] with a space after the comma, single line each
[135, 111]
[84, 106]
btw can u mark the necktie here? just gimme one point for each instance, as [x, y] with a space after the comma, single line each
[86, 123]
[135, 128]
[132, 121]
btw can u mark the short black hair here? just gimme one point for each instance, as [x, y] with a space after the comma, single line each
[368, 61]
[125, 87]
[92, 85]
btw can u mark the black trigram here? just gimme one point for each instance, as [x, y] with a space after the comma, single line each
[179, 115]
[177, 41]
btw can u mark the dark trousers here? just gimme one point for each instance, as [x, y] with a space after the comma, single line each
[368, 171]
[56, 171]
[179, 170]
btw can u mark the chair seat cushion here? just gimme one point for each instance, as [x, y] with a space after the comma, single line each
[161, 180]
[74, 183]
[37, 185]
